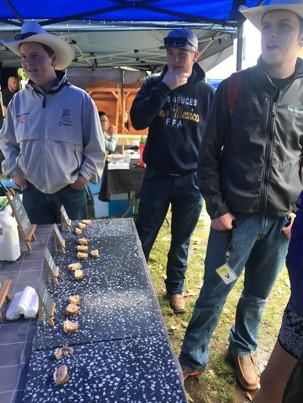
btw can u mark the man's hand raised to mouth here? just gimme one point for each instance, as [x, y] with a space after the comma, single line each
[175, 77]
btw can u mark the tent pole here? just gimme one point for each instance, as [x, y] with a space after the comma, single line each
[239, 47]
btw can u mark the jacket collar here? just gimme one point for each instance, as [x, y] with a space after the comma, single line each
[63, 81]
[298, 69]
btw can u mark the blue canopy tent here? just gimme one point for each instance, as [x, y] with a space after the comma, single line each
[116, 33]
[224, 12]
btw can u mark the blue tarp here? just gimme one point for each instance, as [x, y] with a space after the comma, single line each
[217, 11]
[93, 28]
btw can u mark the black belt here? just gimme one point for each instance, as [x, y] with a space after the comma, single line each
[156, 171]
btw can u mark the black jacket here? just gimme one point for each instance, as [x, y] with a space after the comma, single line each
[259, 168]
[175, 120]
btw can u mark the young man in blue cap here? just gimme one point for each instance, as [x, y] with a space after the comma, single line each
[174, 107]
[250, 176]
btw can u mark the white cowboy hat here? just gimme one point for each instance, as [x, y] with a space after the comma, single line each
[255, 14]
[31, 31]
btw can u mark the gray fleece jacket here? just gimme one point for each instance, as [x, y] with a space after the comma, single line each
[52, 137]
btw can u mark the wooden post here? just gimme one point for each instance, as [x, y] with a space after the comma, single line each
[4, 297]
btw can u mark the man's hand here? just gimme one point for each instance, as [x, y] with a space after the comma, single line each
[20, 181]
[112, 130]
[223, 223]
[287, 229]
[175, 78]
[79, 183]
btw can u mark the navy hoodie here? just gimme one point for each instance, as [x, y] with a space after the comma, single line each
[175, 119]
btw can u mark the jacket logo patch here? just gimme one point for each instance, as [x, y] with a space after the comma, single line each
[65, 119]
[22, 118]
[294, 109]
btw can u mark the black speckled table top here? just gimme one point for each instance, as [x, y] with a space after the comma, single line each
[122, 351]
[117, 300]
[139, 369]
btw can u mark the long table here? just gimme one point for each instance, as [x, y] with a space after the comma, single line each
[122, 350]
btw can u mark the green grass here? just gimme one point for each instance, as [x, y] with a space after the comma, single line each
[217, 383]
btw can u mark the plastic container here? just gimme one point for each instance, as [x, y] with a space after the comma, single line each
[9, 238]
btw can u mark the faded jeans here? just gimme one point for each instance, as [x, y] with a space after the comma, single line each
[257, 243]
[43, 208]
[158, 191]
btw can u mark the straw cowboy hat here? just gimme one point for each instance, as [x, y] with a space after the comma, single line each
[31, 31]
[255, 14]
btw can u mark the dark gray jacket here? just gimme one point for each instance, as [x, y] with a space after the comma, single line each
[259, 168]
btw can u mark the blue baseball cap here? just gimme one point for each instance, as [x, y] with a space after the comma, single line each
[182, 38]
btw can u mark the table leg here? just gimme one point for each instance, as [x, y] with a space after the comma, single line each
[130, 197]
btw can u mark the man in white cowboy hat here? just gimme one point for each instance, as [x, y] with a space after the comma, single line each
[51, 138]
[249, 173]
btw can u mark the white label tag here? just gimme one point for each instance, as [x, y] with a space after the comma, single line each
[226, 273]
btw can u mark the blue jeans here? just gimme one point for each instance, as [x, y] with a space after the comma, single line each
[257, 243]
[158, 191]
[43, 208]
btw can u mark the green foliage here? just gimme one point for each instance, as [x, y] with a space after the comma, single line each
[22, 74]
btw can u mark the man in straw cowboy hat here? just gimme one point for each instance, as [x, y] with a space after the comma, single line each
[51, 138]
[249, 173]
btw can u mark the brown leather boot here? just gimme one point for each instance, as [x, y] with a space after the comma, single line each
[246, 371]
[177, 303]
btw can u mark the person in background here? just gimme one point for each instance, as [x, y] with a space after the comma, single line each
[109, 132]
[1, 118]
[7, 95]
[249, 173]
[289, 346]
[126, 122]
[9, 92]
[174, 107]
[51, 138]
